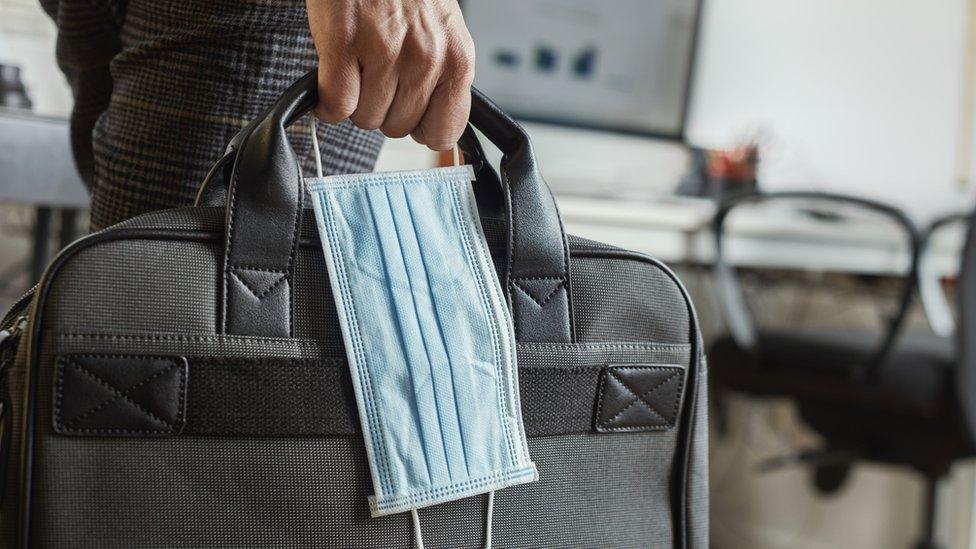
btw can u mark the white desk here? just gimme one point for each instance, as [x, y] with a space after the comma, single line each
[677, 230]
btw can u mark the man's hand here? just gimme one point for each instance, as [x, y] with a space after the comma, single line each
[403, 66]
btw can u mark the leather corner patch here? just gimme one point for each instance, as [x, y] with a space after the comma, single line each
[120, 395]
[635, 397]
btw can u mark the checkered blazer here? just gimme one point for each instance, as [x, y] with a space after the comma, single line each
[161, 86]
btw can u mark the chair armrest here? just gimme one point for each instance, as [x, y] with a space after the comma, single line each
[937, 310]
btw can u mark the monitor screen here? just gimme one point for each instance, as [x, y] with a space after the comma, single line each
[620, 65]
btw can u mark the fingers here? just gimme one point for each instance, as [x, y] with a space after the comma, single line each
[449, 107]
[403, 67]
[339, 85]
[446, 117]
[410, 102]
[379, 86]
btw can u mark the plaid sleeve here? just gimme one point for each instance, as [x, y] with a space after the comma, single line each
[161, 87]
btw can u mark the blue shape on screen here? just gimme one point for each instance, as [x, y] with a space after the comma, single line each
[507, 58]
[584, 65]
[546, 59]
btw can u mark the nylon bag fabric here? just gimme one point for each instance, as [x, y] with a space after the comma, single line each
[181, 379]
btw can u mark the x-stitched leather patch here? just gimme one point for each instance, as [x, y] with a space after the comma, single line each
[635, 397]
[120, 395]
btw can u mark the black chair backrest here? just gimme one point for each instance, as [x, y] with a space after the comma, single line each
[732, 301]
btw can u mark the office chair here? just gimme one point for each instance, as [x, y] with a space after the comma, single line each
[901, 399]
[941, 313]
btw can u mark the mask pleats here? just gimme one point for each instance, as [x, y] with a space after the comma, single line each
[427, 334]
[414, 359]
[472, 356]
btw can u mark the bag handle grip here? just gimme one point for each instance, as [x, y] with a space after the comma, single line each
[265, 203]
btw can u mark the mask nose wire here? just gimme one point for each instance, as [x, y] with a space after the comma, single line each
[456, 152]
[419, 538]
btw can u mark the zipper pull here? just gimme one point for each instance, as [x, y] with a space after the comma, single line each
[10, 336]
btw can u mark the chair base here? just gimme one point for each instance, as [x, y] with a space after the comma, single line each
[930, 510]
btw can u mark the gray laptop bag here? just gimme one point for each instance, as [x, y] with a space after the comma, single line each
[179, 380]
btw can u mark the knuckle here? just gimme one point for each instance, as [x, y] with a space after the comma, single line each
[426, 64]
[335, 111]
[365, 121]
[424, 41]
[343, 104]
[386, 52]
[462, 63]
[395, 131]
[438, 139]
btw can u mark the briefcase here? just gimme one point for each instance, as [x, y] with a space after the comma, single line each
[179, 379]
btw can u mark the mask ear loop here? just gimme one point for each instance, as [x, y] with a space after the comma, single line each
[315, 144]
[416, 529]
[419, 538]
[488, 517]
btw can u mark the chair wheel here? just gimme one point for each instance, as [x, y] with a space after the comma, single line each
[829, 478]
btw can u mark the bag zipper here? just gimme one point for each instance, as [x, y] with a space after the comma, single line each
[9, 338]
[17, 310]
[11, 330]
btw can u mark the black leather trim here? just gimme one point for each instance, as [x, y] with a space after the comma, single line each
[638, 397]
[265, 202]
[537, 248]
[119, 395]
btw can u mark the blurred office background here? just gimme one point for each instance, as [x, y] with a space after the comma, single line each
[644, 114]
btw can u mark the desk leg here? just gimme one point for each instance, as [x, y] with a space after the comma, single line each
[69, 227]
[42, 238]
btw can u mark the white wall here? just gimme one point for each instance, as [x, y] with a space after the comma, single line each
[861, 96]
[27, 38]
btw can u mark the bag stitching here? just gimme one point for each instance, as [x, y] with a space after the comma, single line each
[511, 252]
[242, 267]
[65, 427]
[565, 273]
[603, 425]
[258, 295]
[231, 215]
[677, 401]
[638, 399]
[119, 394]
[296, 231]
[546, 299]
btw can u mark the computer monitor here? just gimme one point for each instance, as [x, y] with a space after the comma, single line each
[619, 65]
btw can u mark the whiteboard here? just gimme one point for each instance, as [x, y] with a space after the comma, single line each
[621, 65]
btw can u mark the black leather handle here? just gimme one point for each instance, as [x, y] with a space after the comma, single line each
[265, 203]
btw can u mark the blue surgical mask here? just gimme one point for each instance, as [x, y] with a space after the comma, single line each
[428, 336]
